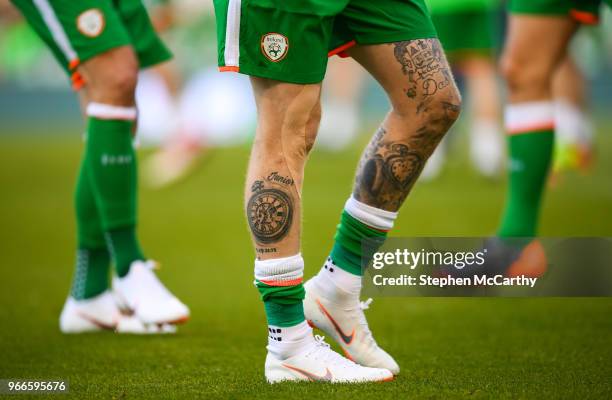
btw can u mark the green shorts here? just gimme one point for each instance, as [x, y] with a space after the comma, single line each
[583, 11]
[290, 40]
[478, 32]
[77, 30]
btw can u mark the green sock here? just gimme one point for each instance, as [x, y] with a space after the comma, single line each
[284, 315]
[279, 282]
[92, 260]
[283, 304]
[530, 157]
[125, 249]
[111, 164]
[347, 251]
[91, 273]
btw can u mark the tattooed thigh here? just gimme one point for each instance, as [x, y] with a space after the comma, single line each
[425, 66]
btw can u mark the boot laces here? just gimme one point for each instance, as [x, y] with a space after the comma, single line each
[323, 352]
[363, 322]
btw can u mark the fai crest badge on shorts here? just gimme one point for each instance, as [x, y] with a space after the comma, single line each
[91, 22]
[274, 46]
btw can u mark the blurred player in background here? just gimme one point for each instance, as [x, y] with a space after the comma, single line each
[188, 107]
[19, 47]
[342, 91]
[531, 67]
[468, 32]
[101, 45]
[472, 54]
[284, 48]
[573, 125]
[160, 88]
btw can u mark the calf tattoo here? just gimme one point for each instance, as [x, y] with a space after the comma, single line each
[386, 172]
[389, 167]
[269, 213]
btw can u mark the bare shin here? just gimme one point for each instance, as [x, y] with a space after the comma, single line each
[288, 119]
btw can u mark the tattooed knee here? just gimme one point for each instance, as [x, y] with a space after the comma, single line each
[429, 85]
[442, 113]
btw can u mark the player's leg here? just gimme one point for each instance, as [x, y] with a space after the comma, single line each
[528, 66]
[486, 147]
[397, 46]
[90, 305]
[476, 61]
[342, 93]
[471, 53]
[90, 41]
[573, 126]
[288, 119]
[109, 155]
[110, 78]
[288, 116]
[93, 258]
[424, 104]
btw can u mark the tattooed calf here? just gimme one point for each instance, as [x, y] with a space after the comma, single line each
[269, 212]
[386, 172]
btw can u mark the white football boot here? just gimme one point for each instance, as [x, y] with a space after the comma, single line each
[90, 315]
[341, 316]
[141, 292]
[132, 325]
[102, 313]
[320, 363]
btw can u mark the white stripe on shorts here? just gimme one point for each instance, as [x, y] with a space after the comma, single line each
[232, 34]
[57, 31]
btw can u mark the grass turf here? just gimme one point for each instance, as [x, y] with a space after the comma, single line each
[447, 348]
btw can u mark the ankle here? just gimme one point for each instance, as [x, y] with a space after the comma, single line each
[286, 342]
[124, 248]
[337, 284]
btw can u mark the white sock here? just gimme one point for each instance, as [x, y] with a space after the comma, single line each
[487, 146]
[284, 271]
[572, 125]
[336, 284]
[285, 342]
[371, 216]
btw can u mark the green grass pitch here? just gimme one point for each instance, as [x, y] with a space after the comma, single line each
[447, 348]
